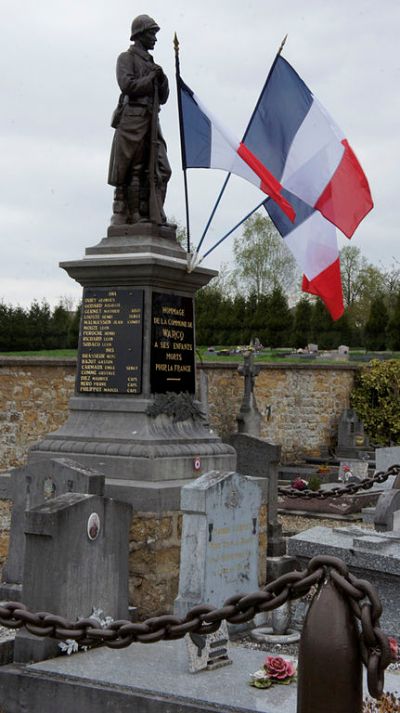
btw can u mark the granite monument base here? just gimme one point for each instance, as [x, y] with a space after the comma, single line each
[136, 346]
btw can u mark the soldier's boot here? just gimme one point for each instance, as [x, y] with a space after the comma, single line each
[136, 207]
[162, 192]
[120, 207]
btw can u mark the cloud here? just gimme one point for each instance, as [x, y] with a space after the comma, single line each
[57, 81]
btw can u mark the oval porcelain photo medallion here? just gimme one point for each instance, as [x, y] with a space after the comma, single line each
[93, 526]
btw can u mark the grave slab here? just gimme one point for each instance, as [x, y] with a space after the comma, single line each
[370, 555]
[146, 678]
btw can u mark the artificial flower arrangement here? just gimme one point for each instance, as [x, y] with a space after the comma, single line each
[275, 670]
[299, 484]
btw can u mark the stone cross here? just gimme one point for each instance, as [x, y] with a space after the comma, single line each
[249, 416]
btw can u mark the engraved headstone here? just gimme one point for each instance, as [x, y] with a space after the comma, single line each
[33, 485]
[220, 551]
[260, 459]
[76, 562]
[351, 436]
[208, 652]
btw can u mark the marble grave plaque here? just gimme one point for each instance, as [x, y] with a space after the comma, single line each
[220, 550]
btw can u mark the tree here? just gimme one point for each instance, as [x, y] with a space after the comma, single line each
[375, 328]
[352, 263]
[302, 323]
[73, 330]
[59, 328]
[393, 327]
[262, 259]
[38, 332]
[371, 284]
[278, 320]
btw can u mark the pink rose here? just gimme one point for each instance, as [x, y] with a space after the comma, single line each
[299, 484]
[278, 668]
[394, 647]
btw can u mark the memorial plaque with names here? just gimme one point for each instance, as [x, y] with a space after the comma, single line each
[110, 342]
[172, 344]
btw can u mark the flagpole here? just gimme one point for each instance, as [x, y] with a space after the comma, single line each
[233, 229]
[244, 136]
[265, 84]
[182, 137]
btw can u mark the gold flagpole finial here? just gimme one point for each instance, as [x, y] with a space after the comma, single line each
[176, 43]
[282, 44]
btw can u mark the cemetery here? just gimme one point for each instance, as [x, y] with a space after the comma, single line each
[146, 498]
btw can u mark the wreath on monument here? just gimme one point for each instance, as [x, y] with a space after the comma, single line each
[180, 407]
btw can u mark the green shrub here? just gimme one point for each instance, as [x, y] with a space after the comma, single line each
[314, 482]
[375, 397]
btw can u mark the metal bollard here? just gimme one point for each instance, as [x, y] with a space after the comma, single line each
[329, 668]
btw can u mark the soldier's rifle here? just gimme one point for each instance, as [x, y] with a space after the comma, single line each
[154, 198]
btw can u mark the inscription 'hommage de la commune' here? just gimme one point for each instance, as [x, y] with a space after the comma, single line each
[172, 344]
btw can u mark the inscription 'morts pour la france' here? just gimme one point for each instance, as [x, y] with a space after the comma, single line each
[172, 344]
[110, 342]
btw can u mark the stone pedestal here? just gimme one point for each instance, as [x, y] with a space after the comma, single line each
[138, 317]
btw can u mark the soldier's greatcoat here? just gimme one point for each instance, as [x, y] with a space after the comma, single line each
[130, 147]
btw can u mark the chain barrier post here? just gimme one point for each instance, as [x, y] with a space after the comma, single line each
[329, 667]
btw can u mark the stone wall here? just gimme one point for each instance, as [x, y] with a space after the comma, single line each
[5, 519]
[34, 396]
[300, 403]
[154, 555]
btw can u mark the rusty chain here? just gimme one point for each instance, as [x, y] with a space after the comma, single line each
[338, 491]
[205, 619]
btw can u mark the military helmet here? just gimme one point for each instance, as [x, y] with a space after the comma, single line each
[141, 23]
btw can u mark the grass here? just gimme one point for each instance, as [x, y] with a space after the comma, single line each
[267, 357]
[51, 353]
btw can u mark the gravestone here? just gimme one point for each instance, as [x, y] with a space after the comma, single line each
[76, 562]
[32, 486]
[384, 459]
[223, 546]
[387, 511]
[249, 418]
[261, 459]
[352, 469]
[351, 436]
[208, 651]
[343, 350]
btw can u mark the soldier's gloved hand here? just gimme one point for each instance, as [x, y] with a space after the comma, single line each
[160, 76]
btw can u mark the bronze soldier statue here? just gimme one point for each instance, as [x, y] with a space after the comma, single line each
[139, 167]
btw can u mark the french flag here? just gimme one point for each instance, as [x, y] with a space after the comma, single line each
[313, 243]
[306, 150]
[206, 144]
[322, 177]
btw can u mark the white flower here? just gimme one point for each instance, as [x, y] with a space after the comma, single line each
[69, 646]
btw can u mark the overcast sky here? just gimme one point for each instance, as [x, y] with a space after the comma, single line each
[58, 91]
